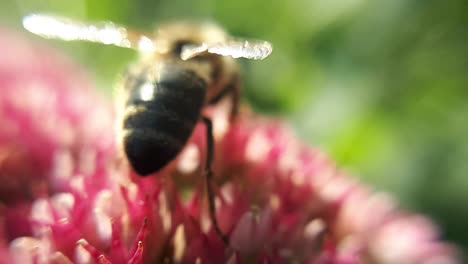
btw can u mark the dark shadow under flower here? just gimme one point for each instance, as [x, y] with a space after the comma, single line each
[68, 197]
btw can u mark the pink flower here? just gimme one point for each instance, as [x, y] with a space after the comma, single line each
[68, 196]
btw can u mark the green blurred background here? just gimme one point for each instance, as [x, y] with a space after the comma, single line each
[382, 86]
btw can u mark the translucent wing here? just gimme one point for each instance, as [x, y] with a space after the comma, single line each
[249, 49]
[106, 33]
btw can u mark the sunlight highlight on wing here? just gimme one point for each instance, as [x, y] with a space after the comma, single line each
[248, 49]
[254, 50]
[106, 33]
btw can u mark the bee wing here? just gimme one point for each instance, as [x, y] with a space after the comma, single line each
[249, 49]
[106, 33]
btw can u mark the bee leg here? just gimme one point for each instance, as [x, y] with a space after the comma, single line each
[209, 178]
[234, 90]
[235, 99]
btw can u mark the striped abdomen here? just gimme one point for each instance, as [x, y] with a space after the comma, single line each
[162, 109]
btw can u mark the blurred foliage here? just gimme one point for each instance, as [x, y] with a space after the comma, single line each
[380, 85]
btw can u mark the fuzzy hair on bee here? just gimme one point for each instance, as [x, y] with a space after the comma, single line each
[183, 67]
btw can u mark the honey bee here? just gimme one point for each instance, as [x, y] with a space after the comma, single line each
[183, 68]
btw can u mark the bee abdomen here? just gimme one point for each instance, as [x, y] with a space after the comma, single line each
[149, 150]
[157, 127]
[152, 139]
[164, 120]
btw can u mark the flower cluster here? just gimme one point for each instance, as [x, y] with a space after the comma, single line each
[68, 196]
